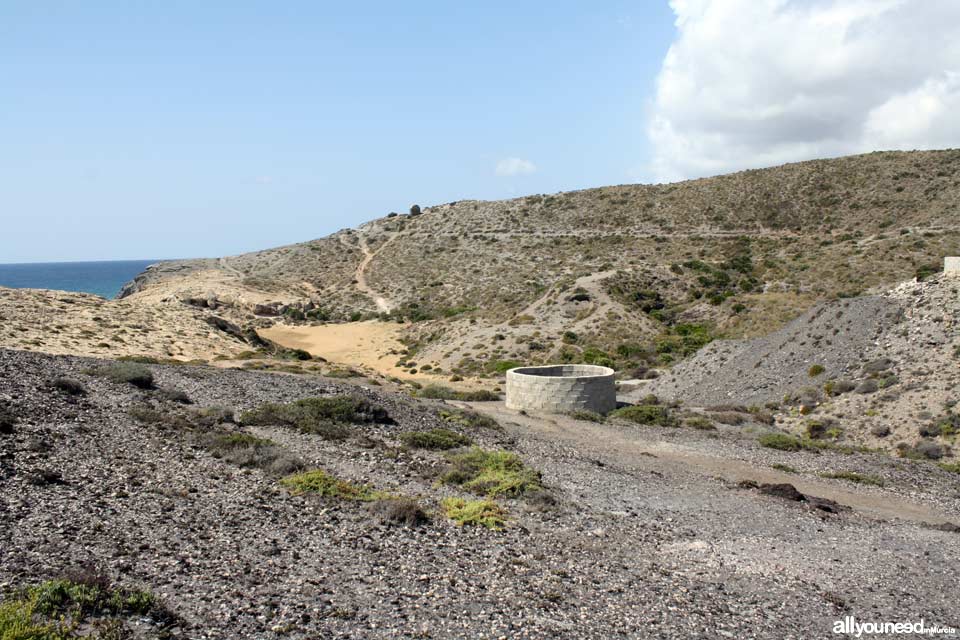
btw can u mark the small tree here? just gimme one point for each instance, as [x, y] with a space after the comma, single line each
[415, 210]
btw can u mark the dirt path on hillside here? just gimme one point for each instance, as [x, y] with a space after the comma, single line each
[610, 445]
[383, 304]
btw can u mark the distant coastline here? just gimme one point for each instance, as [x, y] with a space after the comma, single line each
[102, 278]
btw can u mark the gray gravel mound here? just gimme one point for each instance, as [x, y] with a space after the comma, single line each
[837, 336]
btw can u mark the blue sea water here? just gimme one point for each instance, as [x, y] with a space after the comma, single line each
[102, 278]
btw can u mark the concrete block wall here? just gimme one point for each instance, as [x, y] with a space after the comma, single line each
[951, 265]
[561, 388]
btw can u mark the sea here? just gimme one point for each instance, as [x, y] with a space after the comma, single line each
[101, 278]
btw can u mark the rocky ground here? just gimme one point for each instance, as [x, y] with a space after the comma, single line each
[642, 531]
[882, 369]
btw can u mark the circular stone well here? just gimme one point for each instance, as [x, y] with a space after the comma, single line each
[560, 388]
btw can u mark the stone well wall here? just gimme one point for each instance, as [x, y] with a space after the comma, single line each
[561, 388]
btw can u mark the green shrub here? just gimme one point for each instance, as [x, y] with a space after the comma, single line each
[469, 419]
[482, 513]
[699, 422]
[646, 414]
[852, 476]
[435, 439]
[491, 473]
[587, 416]
[783, 467]
[54, 609]
[133, 373]
[323, 484]
[439, 392]
[815, 370]
[952, 467]
[324, 416]
[780, 441]
[70, 386]
[502, 366]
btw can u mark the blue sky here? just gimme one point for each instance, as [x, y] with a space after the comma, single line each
[181, 129]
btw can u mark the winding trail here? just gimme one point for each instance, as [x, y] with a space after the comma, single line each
[384, 305]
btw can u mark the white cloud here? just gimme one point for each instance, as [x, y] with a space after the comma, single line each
[751, 83]
[514, 167]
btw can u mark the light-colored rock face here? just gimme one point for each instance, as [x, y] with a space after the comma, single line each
[951, 265]
[561, 389]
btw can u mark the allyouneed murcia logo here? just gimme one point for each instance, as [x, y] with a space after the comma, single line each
[850, 626]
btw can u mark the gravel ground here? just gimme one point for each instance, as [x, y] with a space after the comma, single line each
[838, 336]
[637, 544]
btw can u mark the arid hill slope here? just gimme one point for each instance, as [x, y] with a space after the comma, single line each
[605, 274]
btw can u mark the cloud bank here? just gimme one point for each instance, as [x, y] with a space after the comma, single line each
[514, 167]
[751, 83]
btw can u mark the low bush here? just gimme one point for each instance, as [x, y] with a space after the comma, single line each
[439, 392]
[587, 416]
[853, 476]
[700, 423]
[69, 386]
[175, 395]
[55, 609]
[133, 373]
[732, 418]
[245, 450]
[815, 370]
[469, 419]
[321, 483]
[491, 473]
[435, 439]
[326, 416]
[780, 441]
[481, 513]
[399, 510]
[646, 414]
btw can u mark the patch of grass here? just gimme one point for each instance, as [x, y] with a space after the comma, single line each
[853, 476]
[325, 416]
[646, 414]
[783, 467]
[699, 422]
[502, 366]
[787, 442]
[491, 473]
[55, 609]
[133, 373]
[321, 483]
[470, 419]
[815, 370]
[439, 392]
[780, 442]
[952, 467]
[481, 513]
[587, 416]
[435, 439]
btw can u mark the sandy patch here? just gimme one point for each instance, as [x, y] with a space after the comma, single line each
[371, 344]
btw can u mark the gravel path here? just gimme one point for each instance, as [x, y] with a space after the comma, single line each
[635, 546]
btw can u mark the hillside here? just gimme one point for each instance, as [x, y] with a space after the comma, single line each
[636, 275]
[877, 371]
